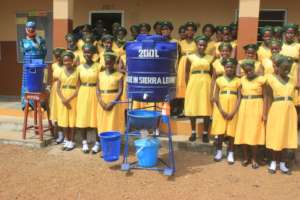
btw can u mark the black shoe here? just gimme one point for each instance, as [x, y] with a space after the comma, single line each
[192, 138]
[205, 138]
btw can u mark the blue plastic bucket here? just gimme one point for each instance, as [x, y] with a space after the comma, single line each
[111, 145]
[143, 119]
[147, 151]
[35, 76]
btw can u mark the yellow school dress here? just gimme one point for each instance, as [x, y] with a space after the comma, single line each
[118, 50]
[124, 94]
[217, 44]
[218, 67]
[267, 65]
[281, 131]
[250, 128]
[198, 91]
[263, 52]
[228, 99]
[67, 117]
[87, 98]
[54, 98]
[80, 44]
[211, 48]
[96, 58]
[186, 49]
[79, 56]
[291, 50]
[294, 76]
[257, 67]
[112, 120]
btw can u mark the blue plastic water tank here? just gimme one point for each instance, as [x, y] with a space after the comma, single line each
[35, 75]
[151, 61]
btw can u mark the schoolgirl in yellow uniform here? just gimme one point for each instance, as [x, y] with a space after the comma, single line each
[67, 90]
[264, 50]
[72, 46]
[209, 30]
[181, 33]
[278, 33]
[187, 47]
[281, 131]
[107, 43]
[219, 36]
[134, 31]
[250, 53]
[85, 30]
[227, 99]
[145, 28]
[110, 115]
[57, 67]
[120, 41]
[218, 68]
[226, 37]
[198, 93]
[88, 39]
[252, 114]
[268, 63]
[157, 27]
[290, 45]
[87, 100]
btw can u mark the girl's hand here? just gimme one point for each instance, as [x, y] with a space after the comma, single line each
[224, 114]
[66, 103]
[264, 118]
[212, 99]
[230, 116]
[68, 106]
[110, 106]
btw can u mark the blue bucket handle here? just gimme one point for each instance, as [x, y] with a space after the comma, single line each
[32, 70]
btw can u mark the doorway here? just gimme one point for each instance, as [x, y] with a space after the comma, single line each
[108, 17]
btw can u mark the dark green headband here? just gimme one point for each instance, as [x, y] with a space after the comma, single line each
[224, 45]
[250, 46]
[201, 38]
[89, 47]
[266, 29]
[248, 63]
[69, 54]
[229, 61]
[191, 24]
[291, 26]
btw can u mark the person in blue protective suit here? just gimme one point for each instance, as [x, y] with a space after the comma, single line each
[32, 47]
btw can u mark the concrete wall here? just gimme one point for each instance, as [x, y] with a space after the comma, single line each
[216, 12]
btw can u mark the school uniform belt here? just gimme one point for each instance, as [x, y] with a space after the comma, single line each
[69, 87]
[88, 84]
[252, 96]
[229, 92]
[287, 98]
[108, 91]
[200, 72]
[186, 54]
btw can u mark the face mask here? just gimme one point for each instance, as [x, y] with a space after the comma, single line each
[31, 34]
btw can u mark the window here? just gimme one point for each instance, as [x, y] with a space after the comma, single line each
[271, 17]
[108, 17]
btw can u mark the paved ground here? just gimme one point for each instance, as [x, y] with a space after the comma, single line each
[50, 173]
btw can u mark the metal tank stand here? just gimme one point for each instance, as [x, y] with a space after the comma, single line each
[169, 165]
